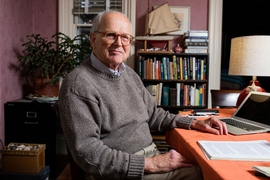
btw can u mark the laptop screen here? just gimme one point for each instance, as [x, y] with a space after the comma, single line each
[256, 107]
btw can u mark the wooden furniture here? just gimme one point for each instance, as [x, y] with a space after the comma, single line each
[75, 170]
[189, 71]
[30, 121]
[224, 98]
[185, 142]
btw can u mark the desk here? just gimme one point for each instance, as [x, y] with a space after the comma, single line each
[185, 142]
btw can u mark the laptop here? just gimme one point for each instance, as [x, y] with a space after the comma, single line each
[252, 116]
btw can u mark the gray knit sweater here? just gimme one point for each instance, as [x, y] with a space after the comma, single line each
[105, 119]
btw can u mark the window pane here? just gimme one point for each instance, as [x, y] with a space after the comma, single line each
[84, 11]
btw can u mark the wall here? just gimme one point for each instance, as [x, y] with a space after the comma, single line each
[18, 19]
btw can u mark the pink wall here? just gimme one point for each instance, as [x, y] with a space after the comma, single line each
[18, 19]
[198, 15]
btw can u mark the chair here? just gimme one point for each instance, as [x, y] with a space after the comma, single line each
[75, 170]
[224, 98]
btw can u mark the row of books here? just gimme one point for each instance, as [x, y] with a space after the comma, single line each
[196, 41]
[179, 68]
[181, 95]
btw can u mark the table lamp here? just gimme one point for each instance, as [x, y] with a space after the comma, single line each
[250, 56]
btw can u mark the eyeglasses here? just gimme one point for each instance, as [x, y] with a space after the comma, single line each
[111, 37]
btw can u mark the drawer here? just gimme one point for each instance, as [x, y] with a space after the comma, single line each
[30, 120]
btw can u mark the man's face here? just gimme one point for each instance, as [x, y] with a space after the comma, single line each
[111, 54]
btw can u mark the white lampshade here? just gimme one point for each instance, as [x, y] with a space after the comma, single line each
[250, 56]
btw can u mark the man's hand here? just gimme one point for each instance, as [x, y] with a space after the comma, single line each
[165, 162]
[212, 125]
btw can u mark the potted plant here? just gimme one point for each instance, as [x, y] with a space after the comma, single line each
[48, 61]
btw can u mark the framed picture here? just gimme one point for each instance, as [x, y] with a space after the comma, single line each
[181, 15]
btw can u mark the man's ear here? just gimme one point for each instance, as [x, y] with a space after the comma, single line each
[92, 38]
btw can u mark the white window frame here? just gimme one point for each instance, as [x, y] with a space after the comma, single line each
[215, 41]
[66, 25]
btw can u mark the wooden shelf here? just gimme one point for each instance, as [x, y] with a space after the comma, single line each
[155, 52]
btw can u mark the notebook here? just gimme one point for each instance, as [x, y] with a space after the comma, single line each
[252, 116]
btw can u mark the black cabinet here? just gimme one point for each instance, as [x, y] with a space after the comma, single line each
[30, 121]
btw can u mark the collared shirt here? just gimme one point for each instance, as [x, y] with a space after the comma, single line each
[103, 68]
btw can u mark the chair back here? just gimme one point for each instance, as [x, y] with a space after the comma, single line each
[75, 170]
[224, 98]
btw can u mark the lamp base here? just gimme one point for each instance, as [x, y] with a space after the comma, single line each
[254, 85]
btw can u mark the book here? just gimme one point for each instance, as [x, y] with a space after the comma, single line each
[157, 73]
[178, 67]
[177, 94]
[140, 66]
[202, 70]
[196, 50]
[150, 68]
[196, 40]
[191, 95]
[168, 67]
[185, 68]
[160, 93]
[196, 47]
[254, 150]
[190, 68]
[196, 43]
[193, 68]
[196, 33]
[165, 68]
[157, 93]
[174, 67]
[154, 68]
[171, 70]
[165, 96]
[181, 94]
[173, 96]
[181, 68]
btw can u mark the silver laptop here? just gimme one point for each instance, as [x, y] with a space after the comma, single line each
[252, 116]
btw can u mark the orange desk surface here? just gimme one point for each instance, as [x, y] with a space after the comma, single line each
[185, 142]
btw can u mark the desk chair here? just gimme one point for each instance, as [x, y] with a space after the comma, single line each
[224, 98]
[75, 170]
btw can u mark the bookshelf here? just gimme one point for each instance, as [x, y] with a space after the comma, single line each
[185, 78]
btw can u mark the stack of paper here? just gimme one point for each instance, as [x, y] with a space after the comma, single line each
[263, 170]
[257, 150]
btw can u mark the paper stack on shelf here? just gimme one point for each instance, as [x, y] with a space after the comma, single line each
[196, 41]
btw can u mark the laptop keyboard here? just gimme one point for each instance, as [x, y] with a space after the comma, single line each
[241, 125]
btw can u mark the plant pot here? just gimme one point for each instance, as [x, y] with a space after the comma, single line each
[42, 88]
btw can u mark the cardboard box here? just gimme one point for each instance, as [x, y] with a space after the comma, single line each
[23, 161]
[42, 175]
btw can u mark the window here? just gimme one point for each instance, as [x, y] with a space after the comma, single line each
[84, 12]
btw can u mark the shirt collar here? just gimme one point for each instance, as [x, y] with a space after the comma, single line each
[101, 67]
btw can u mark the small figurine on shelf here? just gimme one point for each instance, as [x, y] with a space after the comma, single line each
[178, 49]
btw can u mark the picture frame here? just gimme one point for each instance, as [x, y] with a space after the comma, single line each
[182, 15]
